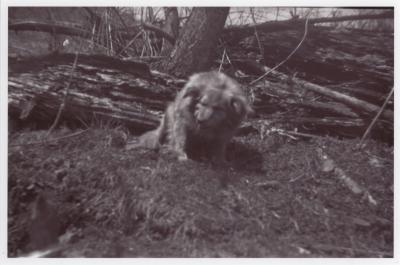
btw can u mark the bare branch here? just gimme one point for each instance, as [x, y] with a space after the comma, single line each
[287, 58]
[159, 31]
[62, 106]
[376, 117]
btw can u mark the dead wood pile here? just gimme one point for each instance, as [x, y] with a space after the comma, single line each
[336, 82]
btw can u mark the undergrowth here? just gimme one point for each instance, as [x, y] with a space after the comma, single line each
[273, 200]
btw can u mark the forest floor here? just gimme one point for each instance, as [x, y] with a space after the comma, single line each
[87, 195]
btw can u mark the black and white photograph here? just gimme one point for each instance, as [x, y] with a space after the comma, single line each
[200, 131]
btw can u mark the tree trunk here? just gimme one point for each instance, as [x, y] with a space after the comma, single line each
[194, 49]
[171, 26]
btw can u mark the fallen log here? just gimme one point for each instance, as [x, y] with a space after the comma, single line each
[64, 29]
[355, 90]
[233, 33]
[43, 102]
[135, 99]
[49, 28]
[325, 122]
[98, 60]
[323, 108]
[236, 33]
[352, 102]
[109, 93]
[347, 61]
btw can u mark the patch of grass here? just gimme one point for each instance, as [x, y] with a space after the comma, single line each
[272, 201]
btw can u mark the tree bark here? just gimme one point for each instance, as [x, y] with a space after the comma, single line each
[100, 88]
[194, 49]
[171, 26]
[32, 100]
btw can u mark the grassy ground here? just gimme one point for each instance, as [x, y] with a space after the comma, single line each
[88, 195]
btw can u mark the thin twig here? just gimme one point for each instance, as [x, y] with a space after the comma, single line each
[144, 43]
[120, 18]
[313, 136]
[111, 38]
[92, 41]
[105, 32]
[277, 14]
[222, 60]
[62, 106]
[227, 58]
[130, 42]
[290, 55]
[51, 140]
[147, 41]
[351, 184]
[256, 34]
[376, 117]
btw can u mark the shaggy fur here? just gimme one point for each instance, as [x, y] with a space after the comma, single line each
[208, 110]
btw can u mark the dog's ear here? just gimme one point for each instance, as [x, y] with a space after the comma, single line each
[194, 86]
[191, 91]
[190, 97]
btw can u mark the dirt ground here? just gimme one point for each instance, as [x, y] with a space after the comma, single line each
[86, 195]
